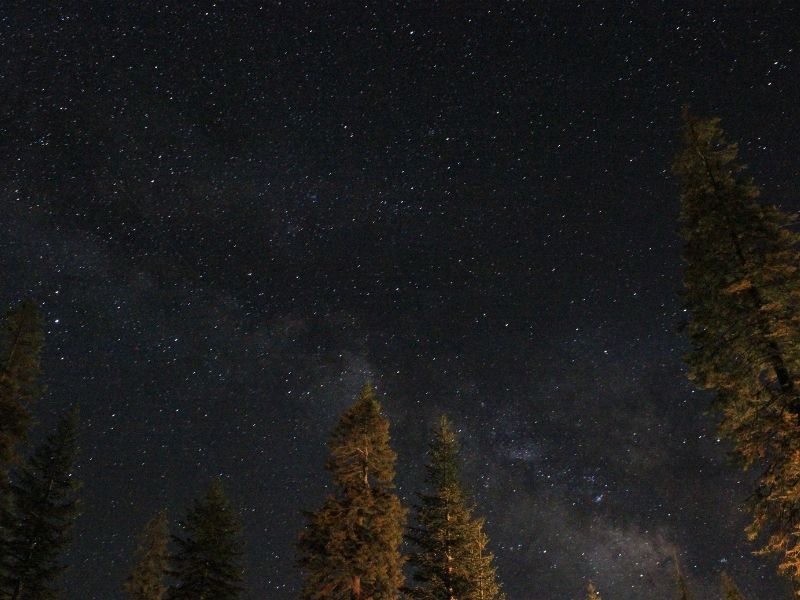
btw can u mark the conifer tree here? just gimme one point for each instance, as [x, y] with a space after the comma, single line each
[44, 509]
[481, 564]
[742, 288]
[349, 548]
[21, 339]
[147, 580]
[452, 562]
[207, 564]
[20, 346]
[592, 593]
[729, 589]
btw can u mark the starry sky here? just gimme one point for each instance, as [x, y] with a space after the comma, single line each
[233, 214]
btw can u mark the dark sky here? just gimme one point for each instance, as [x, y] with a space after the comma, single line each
[234, 214]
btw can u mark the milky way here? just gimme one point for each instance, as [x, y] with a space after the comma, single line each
[234, 215]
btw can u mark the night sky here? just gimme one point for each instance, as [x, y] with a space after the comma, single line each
[233, 215]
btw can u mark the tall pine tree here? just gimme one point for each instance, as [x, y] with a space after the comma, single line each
[20, 346]
[21, 339]
[349, 548]
[729, 589]
[147, 580]
[207, 564]
[452, 562]
[742, 288]
[43, 512]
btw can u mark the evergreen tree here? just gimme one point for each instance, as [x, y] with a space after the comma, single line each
[349, 548]
[742, 288]
[729, 589]
[481, 564]
[592, 593]
[207, 564]
[20, 346]
[146, 581]
[452, 562]
[44, 510]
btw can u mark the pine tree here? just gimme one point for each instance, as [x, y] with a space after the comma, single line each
[452, 562]
[20, 346]
[44, 510]
[480, 561]
[742, 288]
[729, 589]
[349, 548]
[207, 564]
[592, 593]
[147, 580]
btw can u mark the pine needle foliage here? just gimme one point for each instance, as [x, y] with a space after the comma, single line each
[44, 510]
[742, 289]
[147, 580]
[452, 561]
[349, 548]
[207, 563]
